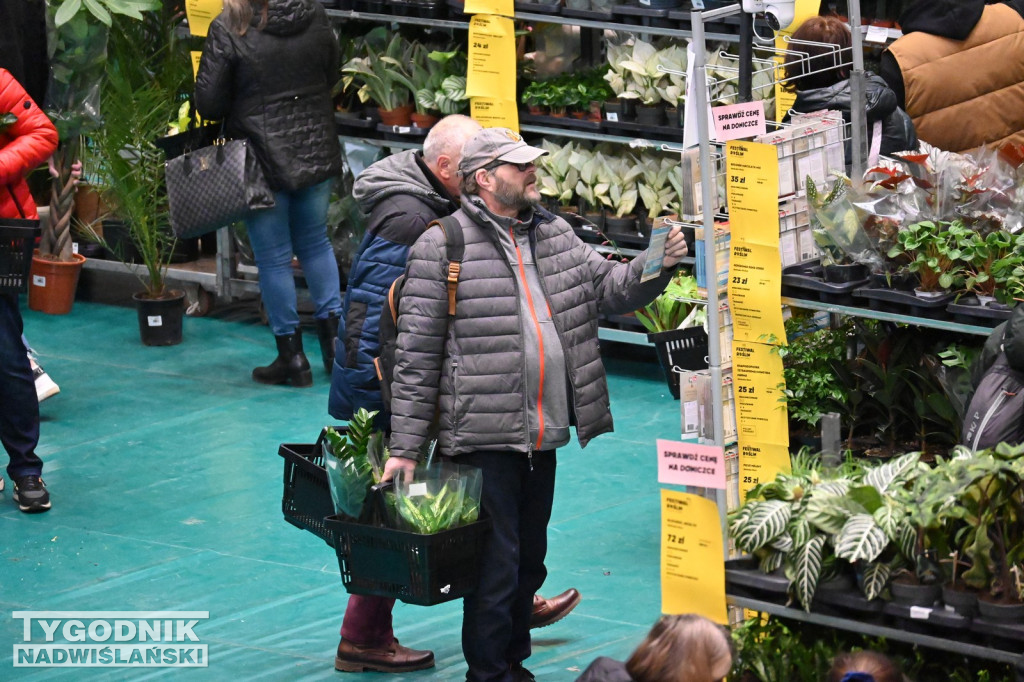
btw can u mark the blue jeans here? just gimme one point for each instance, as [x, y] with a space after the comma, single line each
[297, 225]
[19, 417]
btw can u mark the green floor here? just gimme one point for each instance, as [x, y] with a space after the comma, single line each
[166, 485]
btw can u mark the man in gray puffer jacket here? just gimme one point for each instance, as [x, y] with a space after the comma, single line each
[517, 365]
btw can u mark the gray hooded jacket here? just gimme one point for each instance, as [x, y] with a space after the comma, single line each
[477, 374]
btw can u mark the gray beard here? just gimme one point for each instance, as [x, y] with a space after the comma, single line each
[510, 197]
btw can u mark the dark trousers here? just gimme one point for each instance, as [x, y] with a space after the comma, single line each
[368, 621]
[496, 618]
[19, 407]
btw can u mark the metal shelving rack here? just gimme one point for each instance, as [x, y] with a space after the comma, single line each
[859, 147]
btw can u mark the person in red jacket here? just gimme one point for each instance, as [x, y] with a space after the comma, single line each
[25, 143]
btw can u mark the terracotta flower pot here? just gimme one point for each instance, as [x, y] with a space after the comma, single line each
[423, 121]
[400, 116]
[52, 286]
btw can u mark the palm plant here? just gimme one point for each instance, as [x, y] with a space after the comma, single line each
[137, 98]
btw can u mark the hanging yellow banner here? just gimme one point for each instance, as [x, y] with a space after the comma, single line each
[758, 385]
[494, 113]
[692, 558]
[752, 187]
[502, 8]
[196, 57]
[760, 463]
[755, 293]
[201, 14]
[492, 58]
[755, 268]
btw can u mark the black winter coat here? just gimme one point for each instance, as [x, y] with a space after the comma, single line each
[605, 669]
[898, 132]
[273, 86]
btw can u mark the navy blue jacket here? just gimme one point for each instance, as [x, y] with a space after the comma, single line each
[401, 197]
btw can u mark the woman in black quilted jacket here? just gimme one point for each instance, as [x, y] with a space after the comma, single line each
[817, 67]
[267, 70]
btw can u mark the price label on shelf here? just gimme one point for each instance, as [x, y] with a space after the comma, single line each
[492, 58]
[692, 559]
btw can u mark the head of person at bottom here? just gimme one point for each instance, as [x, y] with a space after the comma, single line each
[498, 167]
[864, 666]
[686, 648]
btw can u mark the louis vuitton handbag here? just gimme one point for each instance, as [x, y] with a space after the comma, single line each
[214, 186]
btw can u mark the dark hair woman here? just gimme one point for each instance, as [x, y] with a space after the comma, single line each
[267, 70]
[817, 67]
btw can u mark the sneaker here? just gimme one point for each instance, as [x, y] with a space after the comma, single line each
[31, 495]
[45, 386]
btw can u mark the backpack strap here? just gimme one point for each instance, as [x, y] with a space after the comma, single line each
[455, 249]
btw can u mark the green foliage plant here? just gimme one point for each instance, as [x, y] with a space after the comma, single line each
[439, 79]
[655, 190]
[361, 443]
[383, 70]
[595, 179]
[932, 249]
[811, 368]
[990, 260]
[986, 494]
[558, 172]
[832, 252]
[140, 92]
[623, 193]
[812, 521]
[671, 308]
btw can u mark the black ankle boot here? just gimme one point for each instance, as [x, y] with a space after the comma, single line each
[327, 332]
[291, 365]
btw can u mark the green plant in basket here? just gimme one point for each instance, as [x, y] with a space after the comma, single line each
[438, 496]
[354, 461]
[430, 514]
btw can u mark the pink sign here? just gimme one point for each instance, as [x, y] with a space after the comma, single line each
[736, 121]
[701, 466]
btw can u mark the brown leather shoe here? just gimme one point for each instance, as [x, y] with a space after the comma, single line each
[548, 611]
[396, 658]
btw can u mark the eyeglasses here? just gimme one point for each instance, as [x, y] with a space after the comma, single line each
[521, 167]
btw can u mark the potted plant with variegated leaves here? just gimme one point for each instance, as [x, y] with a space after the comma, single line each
[656, 192]
[557, 175]
[673, 88]
[594, 185]
[624, 170]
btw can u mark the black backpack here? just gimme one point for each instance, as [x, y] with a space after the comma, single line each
[455, 248]
[995, 412]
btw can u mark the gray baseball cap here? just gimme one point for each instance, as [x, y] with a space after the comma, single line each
[496, 144]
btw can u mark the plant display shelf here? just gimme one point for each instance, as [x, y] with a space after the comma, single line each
[530, 17]
[214, 278]
[853, 311]
[1014, 658]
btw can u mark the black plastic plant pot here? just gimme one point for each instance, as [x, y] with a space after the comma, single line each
[964, 602]
[620, 110]
[650, 114]
[1003, 613]
[160, 319]
[912, 594]
[850, 272]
